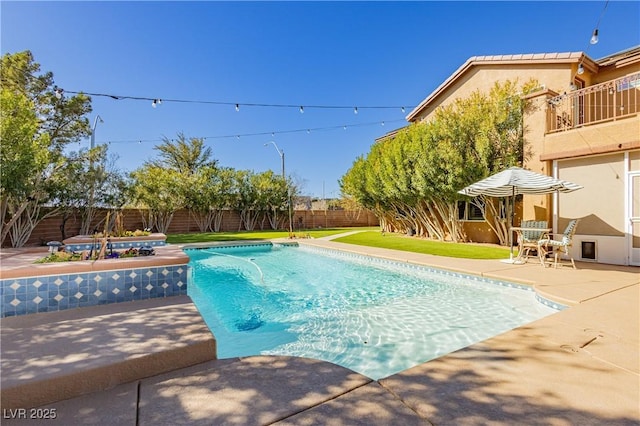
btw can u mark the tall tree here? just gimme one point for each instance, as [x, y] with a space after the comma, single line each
[36, 127]
[186, 156]
[209, 193]
[411, 180]
[168, 183]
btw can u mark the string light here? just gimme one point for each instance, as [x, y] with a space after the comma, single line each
[355, 110]
[59, 93]
[593, 40]
[159, 101]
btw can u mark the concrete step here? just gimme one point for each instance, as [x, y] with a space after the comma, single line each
[55, 356]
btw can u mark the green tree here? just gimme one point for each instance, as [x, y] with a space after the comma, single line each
[411, 181]
[161, 191]
[172, 181]
[91, 181]
[209, 195]
[36, 128]
[186, 156]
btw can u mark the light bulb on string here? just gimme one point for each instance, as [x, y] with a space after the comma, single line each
[355, 110]
[237, 107]
[580, 69]
[402, 109]
[153, 104]
[58, 92]
[594, 37]
[301, 110]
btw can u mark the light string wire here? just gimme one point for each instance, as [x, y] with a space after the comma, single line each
[301, 107]
[60, 92]
[158, 101]
[272, 133]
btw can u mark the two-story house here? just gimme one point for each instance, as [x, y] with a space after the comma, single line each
[583, 126]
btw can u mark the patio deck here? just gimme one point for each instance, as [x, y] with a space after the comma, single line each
[579, 366]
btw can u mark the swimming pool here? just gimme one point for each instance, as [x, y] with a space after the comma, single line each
[373, 316]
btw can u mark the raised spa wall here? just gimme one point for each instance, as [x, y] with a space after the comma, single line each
[47, 287]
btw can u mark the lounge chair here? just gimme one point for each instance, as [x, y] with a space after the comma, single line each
[549, 245]
[529, 233]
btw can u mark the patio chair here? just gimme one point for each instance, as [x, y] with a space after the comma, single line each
[531, 231]
[554, 246]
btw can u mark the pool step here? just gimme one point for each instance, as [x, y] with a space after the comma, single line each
[55, 356]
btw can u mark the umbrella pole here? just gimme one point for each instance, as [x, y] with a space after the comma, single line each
[513, 201]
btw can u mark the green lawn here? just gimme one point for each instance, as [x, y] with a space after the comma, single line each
[371, 237]
[418, 245]
[254, 235]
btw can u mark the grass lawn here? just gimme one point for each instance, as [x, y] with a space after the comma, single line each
[254, 235]
[370, 237]
[417, 245]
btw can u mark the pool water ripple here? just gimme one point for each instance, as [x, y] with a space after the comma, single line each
[377, 318]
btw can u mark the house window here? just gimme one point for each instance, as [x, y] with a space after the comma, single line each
[469, 211]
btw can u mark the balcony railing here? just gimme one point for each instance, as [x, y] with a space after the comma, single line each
[608, 101]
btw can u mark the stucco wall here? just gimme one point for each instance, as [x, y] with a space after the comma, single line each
[482, 78]
[600, 204]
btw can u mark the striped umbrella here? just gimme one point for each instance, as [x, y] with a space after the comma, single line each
[515, 181]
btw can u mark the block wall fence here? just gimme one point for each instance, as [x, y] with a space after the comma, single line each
[50, 228]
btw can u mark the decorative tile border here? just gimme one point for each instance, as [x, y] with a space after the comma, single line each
[116, 246]
[19, 296]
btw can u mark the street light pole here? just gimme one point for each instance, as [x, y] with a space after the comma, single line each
[284, 178]
[92, 176]
[93, 131]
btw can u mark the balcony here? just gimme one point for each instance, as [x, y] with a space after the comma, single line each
[610, 101]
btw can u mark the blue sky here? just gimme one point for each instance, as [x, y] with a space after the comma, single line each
[293, 53]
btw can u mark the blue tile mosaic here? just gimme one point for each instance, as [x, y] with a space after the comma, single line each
[19, 296]
[116, 246]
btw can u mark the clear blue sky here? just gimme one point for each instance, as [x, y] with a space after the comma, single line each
[298, 53]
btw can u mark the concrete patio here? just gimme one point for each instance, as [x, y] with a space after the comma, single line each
[579, 366]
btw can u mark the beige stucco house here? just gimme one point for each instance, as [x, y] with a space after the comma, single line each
[584, 127]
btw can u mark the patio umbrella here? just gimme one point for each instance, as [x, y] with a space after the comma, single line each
[516, 181]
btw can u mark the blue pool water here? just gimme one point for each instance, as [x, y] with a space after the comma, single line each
[372, 316]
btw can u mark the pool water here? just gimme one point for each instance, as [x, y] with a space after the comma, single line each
[375, 317]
